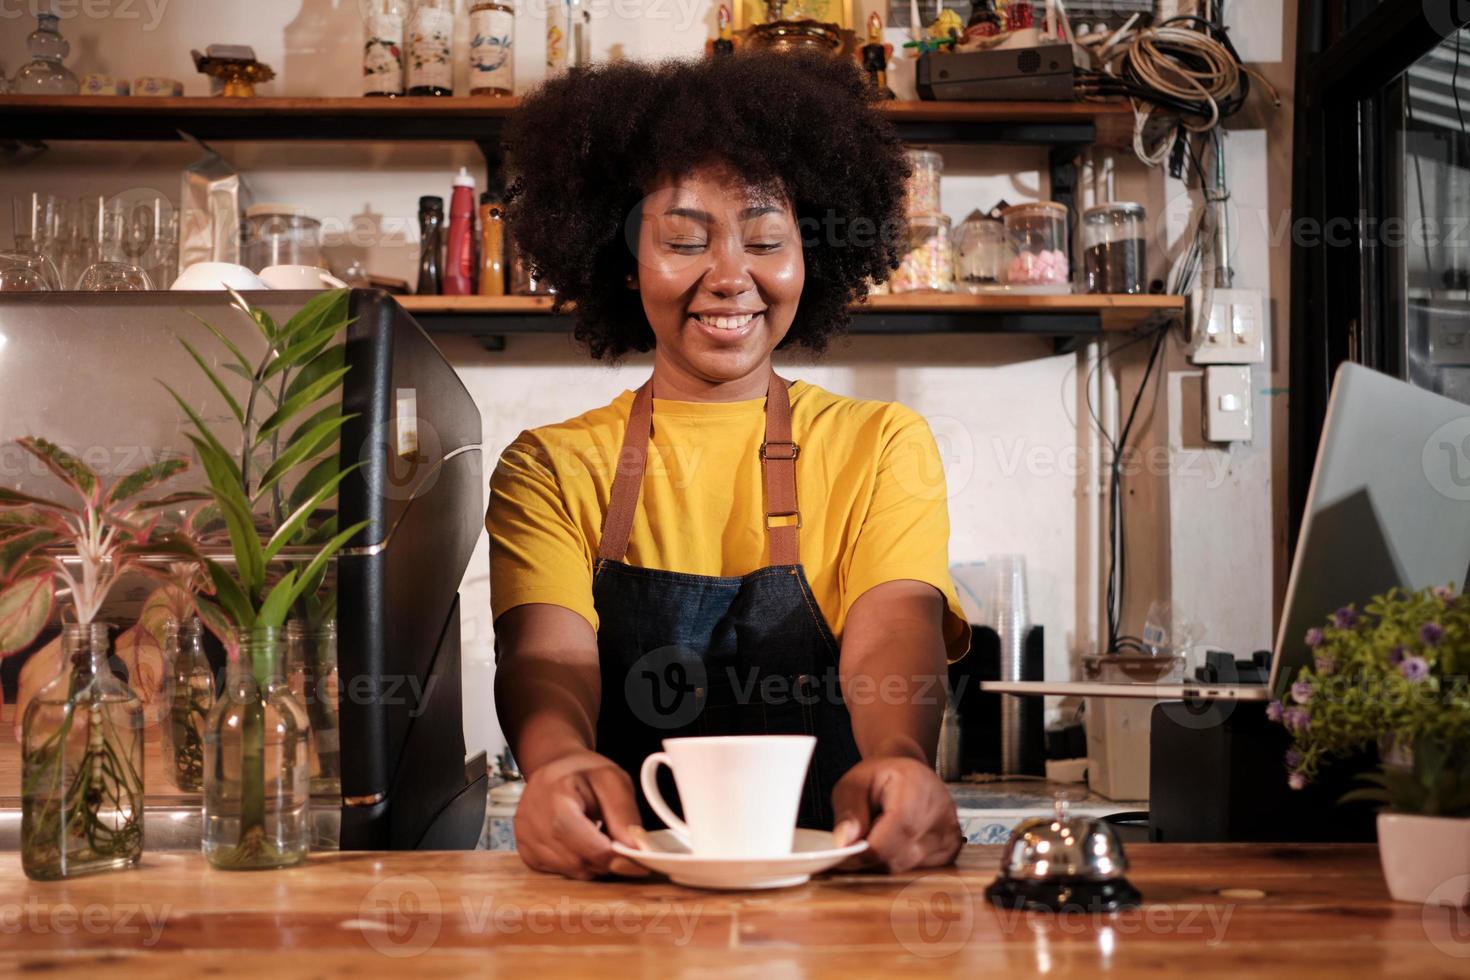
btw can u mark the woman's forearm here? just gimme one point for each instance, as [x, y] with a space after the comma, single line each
[548, 686]
[893, 670]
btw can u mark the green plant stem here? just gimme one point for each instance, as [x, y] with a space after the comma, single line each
[246, 427]
[252, 771]
[280, 518]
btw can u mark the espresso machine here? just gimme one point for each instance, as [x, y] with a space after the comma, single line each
[87, 371]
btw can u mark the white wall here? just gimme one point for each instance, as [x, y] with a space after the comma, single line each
[1005, 411]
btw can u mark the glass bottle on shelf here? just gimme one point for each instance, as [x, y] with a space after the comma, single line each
[431, 48]
[492, 48]
[558, 31]
[82, 766]
[45, 74]
[382, 47]
[492, 245]
[431, 241]
[579, 17]
[256, 770]
[189, 694]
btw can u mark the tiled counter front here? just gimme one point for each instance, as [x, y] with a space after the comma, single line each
[988, 811]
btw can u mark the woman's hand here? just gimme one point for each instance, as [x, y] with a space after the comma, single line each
[555, 820]
[903, 809]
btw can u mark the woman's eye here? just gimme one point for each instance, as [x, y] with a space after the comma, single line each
[686, 245]
[764, 246]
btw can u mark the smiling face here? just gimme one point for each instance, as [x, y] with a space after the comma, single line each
[720, 271]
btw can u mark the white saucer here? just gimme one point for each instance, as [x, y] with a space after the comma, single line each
[811, 852]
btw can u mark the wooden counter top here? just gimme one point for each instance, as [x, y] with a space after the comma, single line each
[1211, 910]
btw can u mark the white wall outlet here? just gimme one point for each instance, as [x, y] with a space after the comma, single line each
[1228, 403]
[1232, 330]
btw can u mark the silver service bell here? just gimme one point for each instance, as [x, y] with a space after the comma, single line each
[1063, 864]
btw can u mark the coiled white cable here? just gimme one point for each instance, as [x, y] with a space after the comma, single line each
[1163, 59]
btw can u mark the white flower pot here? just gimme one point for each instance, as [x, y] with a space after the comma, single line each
[1425, 859]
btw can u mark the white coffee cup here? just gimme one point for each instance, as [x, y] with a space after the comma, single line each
[300, 277]
[741, 793]
[217, 275]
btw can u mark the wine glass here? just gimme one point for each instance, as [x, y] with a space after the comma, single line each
[113, 277]
[27, 272]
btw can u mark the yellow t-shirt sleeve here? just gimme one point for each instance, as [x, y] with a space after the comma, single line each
[537, 552]
[905, 532]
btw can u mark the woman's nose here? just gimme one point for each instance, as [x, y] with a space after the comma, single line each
[729, 271]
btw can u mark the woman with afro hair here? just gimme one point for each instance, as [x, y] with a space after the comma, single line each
[723, 551]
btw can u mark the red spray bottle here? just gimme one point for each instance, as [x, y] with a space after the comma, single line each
[459, 267]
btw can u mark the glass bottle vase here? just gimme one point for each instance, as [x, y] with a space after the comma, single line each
[189, 695]
[256, 774]
[311, 673]
[82, 766]
[45, 74]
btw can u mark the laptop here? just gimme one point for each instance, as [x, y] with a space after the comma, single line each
[1389, 505]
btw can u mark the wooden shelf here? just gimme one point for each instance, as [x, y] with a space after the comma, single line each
[1070, 316]
[479, 119]
[480, 305]
[1116, 312]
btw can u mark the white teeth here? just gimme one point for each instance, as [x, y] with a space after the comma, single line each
[725, 322]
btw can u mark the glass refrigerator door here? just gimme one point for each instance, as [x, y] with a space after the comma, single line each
[1432, 185]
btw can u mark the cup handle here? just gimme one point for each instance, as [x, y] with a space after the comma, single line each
[333, 281]
[648, 776]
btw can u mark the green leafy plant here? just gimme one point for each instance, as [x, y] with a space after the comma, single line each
[107, 533]
[1392, 676]
[299, 367]
[288, 387]
[82, 783]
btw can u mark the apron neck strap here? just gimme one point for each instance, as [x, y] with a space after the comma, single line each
[778, 465]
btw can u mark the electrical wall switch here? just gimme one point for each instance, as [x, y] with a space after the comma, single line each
[1228, 403]
[1232, 330]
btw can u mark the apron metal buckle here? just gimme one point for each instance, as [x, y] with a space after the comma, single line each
[787, 515]
[790, 453]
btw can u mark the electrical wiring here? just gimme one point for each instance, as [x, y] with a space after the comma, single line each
[1185, 66]
[1117, 530]
[1183, 78]
[1183, 276]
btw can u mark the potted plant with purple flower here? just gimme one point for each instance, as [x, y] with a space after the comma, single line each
[1395, 676]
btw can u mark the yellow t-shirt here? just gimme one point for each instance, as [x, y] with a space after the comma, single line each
[869, 486]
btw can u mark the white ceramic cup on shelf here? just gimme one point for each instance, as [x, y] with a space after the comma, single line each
[300, 277]
[740, 793]
[217, 275]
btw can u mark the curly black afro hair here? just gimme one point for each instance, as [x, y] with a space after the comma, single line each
[585, 148]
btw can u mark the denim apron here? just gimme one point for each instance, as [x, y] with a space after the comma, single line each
[688, 655]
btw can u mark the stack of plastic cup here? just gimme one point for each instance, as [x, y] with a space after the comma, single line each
[1006, 612]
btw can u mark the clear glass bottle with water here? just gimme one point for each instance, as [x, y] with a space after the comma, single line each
[189, 694]
[311, 673]
[82, 766]
[256, 769]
